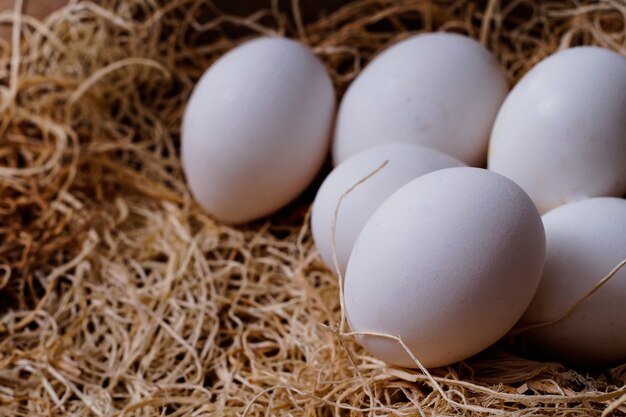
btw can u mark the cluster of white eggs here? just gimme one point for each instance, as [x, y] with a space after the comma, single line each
[441, 254]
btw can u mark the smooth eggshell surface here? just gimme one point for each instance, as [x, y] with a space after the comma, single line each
[440, 90]
[585, 241]
[561, 133]
[256, 128]
[449, 263]
[405, 162]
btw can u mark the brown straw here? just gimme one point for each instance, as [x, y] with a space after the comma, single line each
[119, 296]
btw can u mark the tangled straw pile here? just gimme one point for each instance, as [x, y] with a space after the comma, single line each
[119, 296]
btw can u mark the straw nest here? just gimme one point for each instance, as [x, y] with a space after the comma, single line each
[119, 296]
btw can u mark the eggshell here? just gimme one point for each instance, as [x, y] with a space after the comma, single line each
[449, 263]
[560, 133]
[440, 90]
[256, 128]
[405, 162]
[585, 241]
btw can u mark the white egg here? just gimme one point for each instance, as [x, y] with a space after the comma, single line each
[405, 162]
[561, 133]
[256, 128]
[440, 90]
[585, 241]
[449, 263]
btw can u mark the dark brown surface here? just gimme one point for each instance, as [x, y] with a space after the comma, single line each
[39, 9]
[311, 10]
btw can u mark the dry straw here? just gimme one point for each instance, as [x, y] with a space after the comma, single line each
[119, 296]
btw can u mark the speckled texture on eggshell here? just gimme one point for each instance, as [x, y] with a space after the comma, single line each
[440, 90]
[449, 263]
[561, 132]
[256, 128]
[405, 162]
[585, 241]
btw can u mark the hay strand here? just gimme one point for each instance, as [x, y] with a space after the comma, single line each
[120, 297]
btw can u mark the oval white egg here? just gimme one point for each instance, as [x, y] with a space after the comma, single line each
[405, 162]
[561, 133]
[585, 241]
[256, 128]
[440, 90]
[449, 262]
